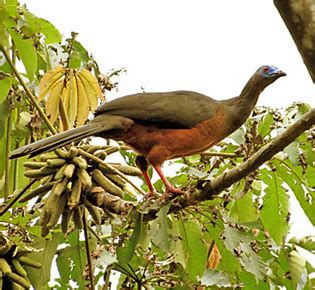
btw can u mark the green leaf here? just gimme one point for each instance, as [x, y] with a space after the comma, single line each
[25, 48]
[275, 208]
[240, 242]
[216, 278]
[125, 254]
[40, 25]
[308, 152]
[79, 56]
[296, 266]
[5, 85]
[195, 247]
[243, 209]
[229, 262]
[161, 230]
[3, 34]
[71, 261]
[238, 136]
[292, 151]
[307, 243]
[264, 125]
[292, 176]
[40, 277]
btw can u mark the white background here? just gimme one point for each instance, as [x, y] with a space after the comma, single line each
[210, 46]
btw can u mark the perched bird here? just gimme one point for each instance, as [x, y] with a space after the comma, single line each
[163, 126]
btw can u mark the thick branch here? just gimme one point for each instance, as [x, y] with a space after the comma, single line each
[226, 179]
[117, 205]
[299, 17]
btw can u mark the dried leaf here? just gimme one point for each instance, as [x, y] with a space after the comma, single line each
[83, 103]
[91, 80]
[52, 104]
[90, 93]
[49, 80]
[71, 100]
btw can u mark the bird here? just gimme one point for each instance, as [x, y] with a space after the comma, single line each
[161, 126]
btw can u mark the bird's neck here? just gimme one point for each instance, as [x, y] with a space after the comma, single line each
[238, 109]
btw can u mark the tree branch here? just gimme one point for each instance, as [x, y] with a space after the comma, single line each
[298, 15]
[226, 179]
[117, 205]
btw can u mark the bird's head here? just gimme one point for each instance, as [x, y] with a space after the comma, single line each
[267, 74]
[261, 79]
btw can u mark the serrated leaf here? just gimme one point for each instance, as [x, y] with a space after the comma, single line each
[52, 104]
[217, 278]
[275, 206]
[229, 262]
[195, 247]
[162, 226]
[307, 243]
[238, 240]
[296, 266]
[48, 80]
[292, 176]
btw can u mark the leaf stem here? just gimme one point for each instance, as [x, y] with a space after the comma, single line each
[63, 116]
[113, 169]
[27, 90]
[87, 250]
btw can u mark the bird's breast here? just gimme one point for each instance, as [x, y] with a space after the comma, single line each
[173, 143]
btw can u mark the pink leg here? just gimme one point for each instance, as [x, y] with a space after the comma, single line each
[149, 183]
[168, 185]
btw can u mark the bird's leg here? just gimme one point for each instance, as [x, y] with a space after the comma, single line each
[169, 187]
[143, 164]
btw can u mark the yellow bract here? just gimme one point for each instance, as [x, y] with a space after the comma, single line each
[77, 89]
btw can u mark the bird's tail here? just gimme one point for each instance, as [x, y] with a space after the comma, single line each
[91, 129]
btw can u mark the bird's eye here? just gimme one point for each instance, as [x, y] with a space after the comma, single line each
[266, 69]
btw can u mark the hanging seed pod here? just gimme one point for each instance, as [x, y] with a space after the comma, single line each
[34, 164]
[104, 182]
[56, 162]
[69, 170]
[75, 194]
[85, 177]
[42, 190]
[93, 210]
[73, 151]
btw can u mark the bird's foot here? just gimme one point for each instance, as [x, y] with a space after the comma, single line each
[171, 192]
[151, 194]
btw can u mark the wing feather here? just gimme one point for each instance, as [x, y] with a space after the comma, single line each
[180, 109]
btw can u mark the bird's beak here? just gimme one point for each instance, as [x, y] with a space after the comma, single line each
[278, 73]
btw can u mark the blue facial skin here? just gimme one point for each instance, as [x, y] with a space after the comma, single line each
[268, 71]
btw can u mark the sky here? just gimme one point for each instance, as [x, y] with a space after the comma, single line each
[208, 46]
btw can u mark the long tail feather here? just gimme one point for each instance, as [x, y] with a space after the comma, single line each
[99, 124]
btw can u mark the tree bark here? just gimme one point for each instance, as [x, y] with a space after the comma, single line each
[299, 17]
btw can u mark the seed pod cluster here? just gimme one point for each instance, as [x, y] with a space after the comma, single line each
[12, 262]
[65, 176]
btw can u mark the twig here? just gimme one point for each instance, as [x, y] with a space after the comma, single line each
[17, 197]
[27, 90]
[114, 170]
[87, 250]
[221, 154]
[7, 152]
